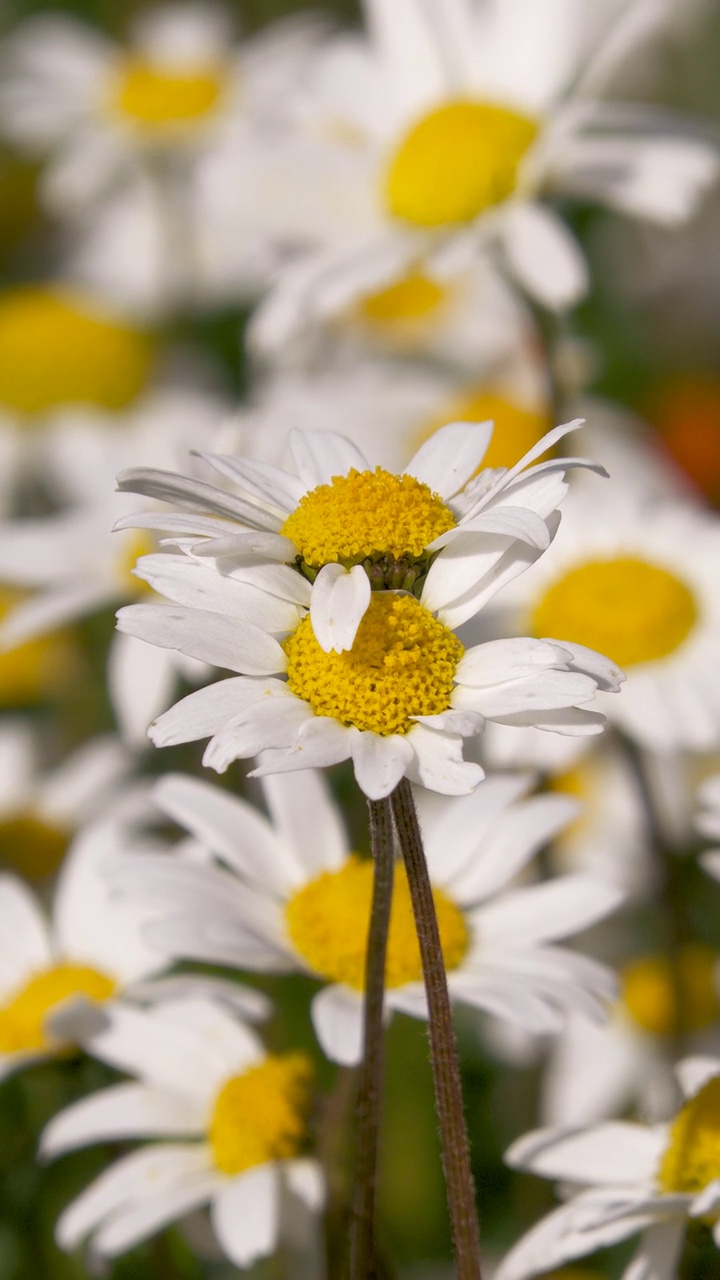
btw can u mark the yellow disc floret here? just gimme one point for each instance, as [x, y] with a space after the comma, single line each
[516, 430]
[367, 513]
[261, 1115]
[692, 1159]
[31, 845]
[23, 1019]
[157, 98]
[401, 665]
[628, 609]
[456, 162]
[328, 920]
[414, 297]
[57, 348]
[674, 999]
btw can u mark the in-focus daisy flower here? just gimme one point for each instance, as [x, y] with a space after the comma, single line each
[329, 566]
[440, 130]
[633, 1178]
[288, 894]
[99, 108]
[595, 1072]
[68, 564]
[41, 808]
[641, 582]
[228, 1123]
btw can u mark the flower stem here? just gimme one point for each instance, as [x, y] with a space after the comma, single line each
[362, 1228]
[446, 1070]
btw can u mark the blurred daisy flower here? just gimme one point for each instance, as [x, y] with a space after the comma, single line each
[634, 1178]
[329, 566]
[641, 582]
[228, 1124]
[437, 134]
[287, 894]
[101, 109]
[595, 1071]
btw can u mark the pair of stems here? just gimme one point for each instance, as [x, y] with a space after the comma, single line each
[396, 817]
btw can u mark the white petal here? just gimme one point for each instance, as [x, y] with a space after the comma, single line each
[339, 600]
[607, 674]
[498, 661]
[380, 763]
[547, 911]
[270, 723]
[305, 814]
[305, 1180]
[451, 456]
[167, 486]
[230, 643]
[122, 1111]
[141, 680]
[658, 1253]
[25, 935]
[544, 255]
[694, 1073]
[320, 742]
[531, 697]
[337, 1016]
[204, 712]
[136, 1222]
[199, 586]
[568, 1233]
[250, 1004]
[321, 455]
[269, 484]
[592, 1073]
[125, 1182]
[245, 1215]
[438, 763]
[610, 1153]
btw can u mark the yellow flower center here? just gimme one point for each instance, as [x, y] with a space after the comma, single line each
[456, 162]
[517, 429]
[328, 923]
[31, 845]
[414, 297]
[131, 549]
[692, 1159]
[628, 609]
[22, 1019]
[156, 98]
[667, 1000]
[58, 349]
[37, 668]
[373, 518]
[261, 1115]
[401, 665]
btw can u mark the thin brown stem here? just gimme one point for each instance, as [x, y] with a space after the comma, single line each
[454, 1141]
[362, 1227]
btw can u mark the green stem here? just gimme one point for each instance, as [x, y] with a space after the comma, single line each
[362, 1228]
[454, 1141]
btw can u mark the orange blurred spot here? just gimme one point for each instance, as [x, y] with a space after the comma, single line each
[686, 411]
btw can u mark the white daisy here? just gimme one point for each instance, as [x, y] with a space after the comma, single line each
[287, 894]
[595, 1072]
[641, 581]
[634, 1178]
[229, 1124]
[102, 109]
[69, 564]
[435, 134]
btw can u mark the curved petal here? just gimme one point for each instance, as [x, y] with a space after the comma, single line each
[305, 814]
[544, 256]
[380, 763]
[337, 1016]
[320, 455]
[339, 600]
[122, 1111]
[26, 941]
[231, 643]
[451, 456]
[245, 1215]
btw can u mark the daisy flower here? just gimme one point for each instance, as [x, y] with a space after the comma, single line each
[641, 582]
[595, 1071]
[67, 565]
[437, 133]
[633, 1178]
[91, 949]
[228, 1124]
[101, 110]
[304, 904]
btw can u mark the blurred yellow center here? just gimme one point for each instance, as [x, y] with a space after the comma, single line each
[31, 845]
[261, 1115]
[692, 1159]
[328, 923]
[22, 1019]
[58, 349]
[627, 609]
[154, 96]
[516, 430]
[414, 297]
[37, 668]
[131, 549]
[669, 1000]
[456, 162]
[401, 665]
[367, 512]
